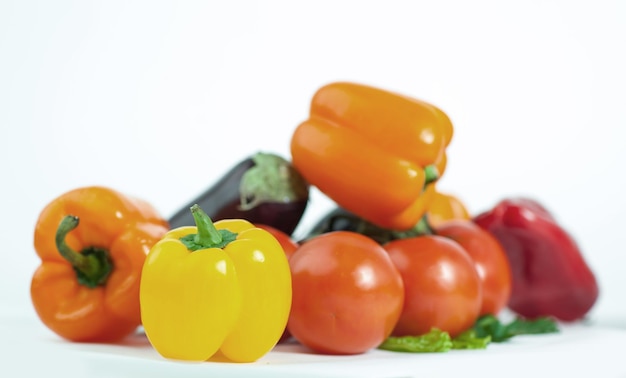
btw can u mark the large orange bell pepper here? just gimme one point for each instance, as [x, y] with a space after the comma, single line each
[92, 242]
[373, 152]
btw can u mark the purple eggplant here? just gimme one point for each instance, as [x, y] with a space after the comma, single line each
[263, 188]
[340, 219]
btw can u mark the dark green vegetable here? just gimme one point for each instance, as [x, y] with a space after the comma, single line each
[263, 189]
[489, 325]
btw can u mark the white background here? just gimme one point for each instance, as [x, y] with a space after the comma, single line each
[159, 99]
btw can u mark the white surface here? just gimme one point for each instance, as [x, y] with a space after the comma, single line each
[576, 351]
[158, 99]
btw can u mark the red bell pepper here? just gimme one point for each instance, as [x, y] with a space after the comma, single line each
[550, 275]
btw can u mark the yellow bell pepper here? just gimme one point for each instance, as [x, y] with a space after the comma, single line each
[444, 207]
[215, 287]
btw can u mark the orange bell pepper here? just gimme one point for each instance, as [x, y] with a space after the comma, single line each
[87, 286]
[373, 152]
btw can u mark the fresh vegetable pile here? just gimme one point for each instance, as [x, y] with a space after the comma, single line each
[397, 265]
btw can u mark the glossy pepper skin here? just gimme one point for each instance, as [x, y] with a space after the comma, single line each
[550, 275]
[372, 151]
[215, 287]
[444, 207]
[92, 242]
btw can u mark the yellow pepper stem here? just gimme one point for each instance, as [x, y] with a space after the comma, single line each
[207, 233]
[207, 236]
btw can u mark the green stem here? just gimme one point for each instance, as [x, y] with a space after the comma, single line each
[92, 265]
[207, 233]
[272, 179]
[207, 236]
[431, 173]
[422, 228]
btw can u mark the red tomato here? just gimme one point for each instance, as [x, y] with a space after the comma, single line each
[288, 244]
[489, 258]
[442, 286]
[347, 294]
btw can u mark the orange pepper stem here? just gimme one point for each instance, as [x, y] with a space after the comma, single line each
[92, 265]
[432, 174]
[208, 236]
